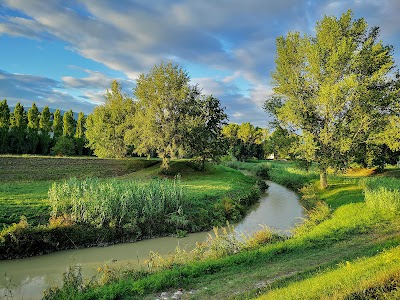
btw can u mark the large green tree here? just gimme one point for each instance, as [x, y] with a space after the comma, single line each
[107, 125]
[204, 121]
[163, 95]
[334, 88]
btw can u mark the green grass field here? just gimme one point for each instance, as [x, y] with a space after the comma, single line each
[353, 252]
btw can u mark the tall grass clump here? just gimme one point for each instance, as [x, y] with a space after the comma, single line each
[150, 208]
[382, 194]
[383, 199]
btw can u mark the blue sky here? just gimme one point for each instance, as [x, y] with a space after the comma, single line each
[66, 53]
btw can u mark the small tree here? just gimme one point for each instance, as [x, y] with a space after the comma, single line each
[204, 120]
[107, 125]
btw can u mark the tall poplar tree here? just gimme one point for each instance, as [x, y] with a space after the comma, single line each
[45, 122]
[335, 88]
[57, 123]
[32, 140]
[80, 133]
[18, 129]
[4, 126]
[68, 124]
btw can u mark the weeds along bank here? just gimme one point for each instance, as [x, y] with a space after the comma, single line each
[138, 205]
[347, 249]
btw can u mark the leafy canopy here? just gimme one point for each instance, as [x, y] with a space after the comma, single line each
[335, 88]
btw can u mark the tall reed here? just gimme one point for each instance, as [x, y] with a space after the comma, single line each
[150, 208]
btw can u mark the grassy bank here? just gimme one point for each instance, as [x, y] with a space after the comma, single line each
[348, 251]
[134, 205]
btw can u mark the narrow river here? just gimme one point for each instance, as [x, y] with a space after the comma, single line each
[26, 278]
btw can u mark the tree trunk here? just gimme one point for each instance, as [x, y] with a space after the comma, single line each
[203, 161]
[323, 178]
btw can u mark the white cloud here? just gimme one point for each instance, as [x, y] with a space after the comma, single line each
[233, 36]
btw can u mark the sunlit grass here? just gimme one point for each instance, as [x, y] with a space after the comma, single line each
[345, 280]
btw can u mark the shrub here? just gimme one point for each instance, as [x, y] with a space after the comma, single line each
[309, 196]
[262, 185]
[262, 171]
[64, 146]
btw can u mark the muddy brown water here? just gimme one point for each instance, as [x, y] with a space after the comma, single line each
[26, 278]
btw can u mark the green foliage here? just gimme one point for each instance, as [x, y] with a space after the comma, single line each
[245, 141]
[203, 136]
[33, 117]
[262, 171]
[45, 122]
[335, 87]
[68, 124]
[164, 98]
[80, 126]
[107, 125]
[57, 123]
[383, 199]
[4, 114]
[64, 146]
[151, 208]
[280, 143]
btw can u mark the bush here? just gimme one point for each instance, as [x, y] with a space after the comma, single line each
[64, 146]
[262, 185]
[262, 171]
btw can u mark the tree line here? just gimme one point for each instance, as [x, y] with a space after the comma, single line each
[168, 118]
[34, 132]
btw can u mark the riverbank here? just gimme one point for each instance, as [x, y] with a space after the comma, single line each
[278, 208]
[212, 197]
[348, 248]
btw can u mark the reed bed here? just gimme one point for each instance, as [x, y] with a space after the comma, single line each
[149, 208]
